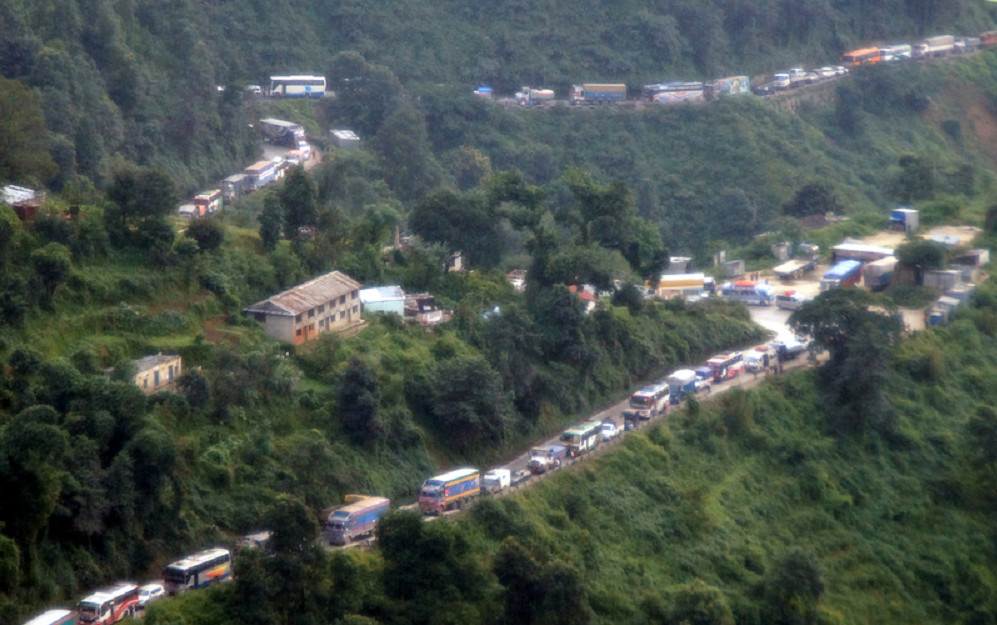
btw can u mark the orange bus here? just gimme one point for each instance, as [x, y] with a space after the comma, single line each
[861, 57]
[989, 38]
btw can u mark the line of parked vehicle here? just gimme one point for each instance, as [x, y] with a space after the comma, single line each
[699, 91]
[126, 599]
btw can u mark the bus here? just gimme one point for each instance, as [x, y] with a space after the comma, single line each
[864, 56]
[297, 86]
[109, 606]
[582, 438]
[749, 292]
[54, 617]
[208, 202]
[650, 401]
[198, 570]
[674, 92]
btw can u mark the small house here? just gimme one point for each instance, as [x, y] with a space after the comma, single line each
[422, 309]
[328, 303]
[157, 372]
[383, 299]
[25, 202]
[345, 139]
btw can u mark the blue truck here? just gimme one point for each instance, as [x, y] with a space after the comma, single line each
[681, 383]
[449, 490]
[596, 93]
[357, 518]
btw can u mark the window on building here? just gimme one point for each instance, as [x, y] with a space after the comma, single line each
[260, 317]
[342, 314]
[297, 332]
[353, 294]
[342, 299]
[170, 377]
[155, 375]
[297, 319]
[321, 308]
[311, 327]
[311, 313]
[356, 310]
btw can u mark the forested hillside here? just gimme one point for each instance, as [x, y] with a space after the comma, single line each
[114, 107]
[137, 80]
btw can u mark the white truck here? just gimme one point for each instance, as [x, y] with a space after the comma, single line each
[528, 96]
[496, 480]
[939, 45]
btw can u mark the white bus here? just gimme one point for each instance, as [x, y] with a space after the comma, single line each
[53, 617]
[650, 401]
[749, 292]
[109, 606]
[198, 570]
[297, 86]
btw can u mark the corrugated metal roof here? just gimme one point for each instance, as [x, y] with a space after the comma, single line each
[304, 297]
[148, 362]
[381, 294]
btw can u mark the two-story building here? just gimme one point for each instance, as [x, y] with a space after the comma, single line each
[328, 303]
[157, 372]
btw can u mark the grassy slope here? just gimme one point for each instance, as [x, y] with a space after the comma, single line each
[719, 494]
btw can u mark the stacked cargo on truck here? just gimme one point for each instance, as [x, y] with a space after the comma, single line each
[794, 269]
[681, 383]
[449, 490]
[845, 273]
[546, 458]
[281, 132]
[528, 96]
[939, 45]
[597, 93]
[878, 274]
[357, 518]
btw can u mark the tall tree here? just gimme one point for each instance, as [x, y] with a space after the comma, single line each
[23, 155]
[359, 401]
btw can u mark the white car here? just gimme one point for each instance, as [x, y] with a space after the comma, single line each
[149, 593]
[827, 72]
[609, 430]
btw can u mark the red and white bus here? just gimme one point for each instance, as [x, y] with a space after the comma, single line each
[109, 606]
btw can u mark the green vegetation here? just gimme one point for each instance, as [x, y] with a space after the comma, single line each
[756, 507]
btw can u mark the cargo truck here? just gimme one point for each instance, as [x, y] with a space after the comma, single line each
[681, 383]
[357, 518]
[283, 133]
[453, 489]
[496, 480]
[939, 45]
[596, 93]
[845, 273]
[544, 458]
[878, 274]
[528, 96]
[793, 269]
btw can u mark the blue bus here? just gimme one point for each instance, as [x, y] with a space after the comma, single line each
[749, 292]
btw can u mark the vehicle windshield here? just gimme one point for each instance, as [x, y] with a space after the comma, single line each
[338, 525]
[174, 575]
[88, 611]
[641, 401]
[429, 492]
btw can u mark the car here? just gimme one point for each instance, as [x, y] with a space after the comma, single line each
[609, 430]
[149, 593]
[520, 477]
[827, 72]
[841, 69]
[702, 386]
[780, 82]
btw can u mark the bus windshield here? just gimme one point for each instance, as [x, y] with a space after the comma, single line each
[641, 401]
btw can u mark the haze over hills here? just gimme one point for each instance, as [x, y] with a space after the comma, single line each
[857, 494]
